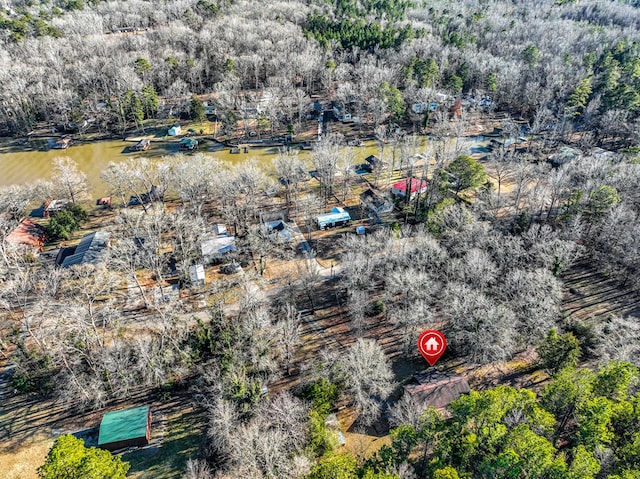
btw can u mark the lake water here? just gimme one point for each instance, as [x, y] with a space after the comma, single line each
[24, 164]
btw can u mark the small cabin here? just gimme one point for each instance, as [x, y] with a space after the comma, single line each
[125, 428]
[373, 163]
[197, 275]
[377, 203]
[279, 229]
[342, 114]
[51, 207]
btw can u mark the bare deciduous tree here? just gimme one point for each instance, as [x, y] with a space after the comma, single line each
[70, 182]
[289, 329]
[367, 377]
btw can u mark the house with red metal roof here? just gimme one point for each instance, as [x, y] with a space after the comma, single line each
[416, 186]
[28, 235]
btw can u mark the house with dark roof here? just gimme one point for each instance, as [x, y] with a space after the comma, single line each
[564, 155]
[279, 229]
[93, 249]
[373, 163]
[376, 202]
[125, 428]
[432, 388]
[156, 193]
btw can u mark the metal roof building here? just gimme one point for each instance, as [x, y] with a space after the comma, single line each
[217, 246]
[125, 428]
[197, 274]
[91, 249]
[27, 235]
[415, 186]
[336, 217]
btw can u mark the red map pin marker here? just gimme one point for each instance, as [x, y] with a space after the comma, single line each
[432, 345]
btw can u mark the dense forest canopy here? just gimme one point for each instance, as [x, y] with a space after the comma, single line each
[66, 61]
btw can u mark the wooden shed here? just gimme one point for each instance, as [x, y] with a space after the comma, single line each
[125, 428]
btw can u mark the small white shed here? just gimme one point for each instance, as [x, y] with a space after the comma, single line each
[196, 274]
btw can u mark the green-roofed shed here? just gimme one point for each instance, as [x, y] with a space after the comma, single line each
[125, 428]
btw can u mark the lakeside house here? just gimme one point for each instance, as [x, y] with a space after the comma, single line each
[423, 107]
[28, 236]
[415, 186]
[209, 110]
[51, 207]
[125, 428]
[156, 193]
[92, 249]
[373, 163]
[456, 109]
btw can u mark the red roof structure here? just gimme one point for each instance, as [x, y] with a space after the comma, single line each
[416, 185]
[28, 234]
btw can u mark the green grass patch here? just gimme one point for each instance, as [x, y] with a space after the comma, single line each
[182, 438]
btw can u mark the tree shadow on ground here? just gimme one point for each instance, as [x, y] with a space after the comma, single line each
[175, 438]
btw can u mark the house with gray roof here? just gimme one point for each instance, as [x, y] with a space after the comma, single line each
[93, 249]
